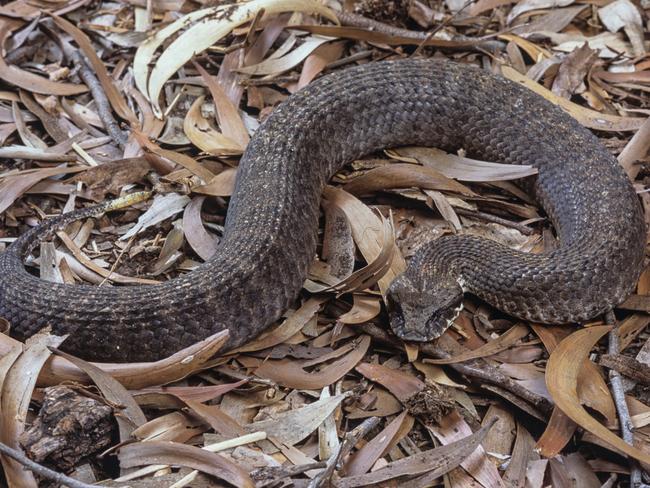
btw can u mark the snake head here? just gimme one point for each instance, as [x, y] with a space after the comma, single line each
[422, 311]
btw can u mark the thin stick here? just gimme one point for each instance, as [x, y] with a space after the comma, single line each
[618, 393]
[42, 471]
[351, 440]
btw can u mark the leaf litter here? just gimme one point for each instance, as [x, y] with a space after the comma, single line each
[325, 396]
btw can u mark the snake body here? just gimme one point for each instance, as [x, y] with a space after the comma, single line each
[271, 229]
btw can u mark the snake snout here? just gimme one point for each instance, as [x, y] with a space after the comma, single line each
[422, 315]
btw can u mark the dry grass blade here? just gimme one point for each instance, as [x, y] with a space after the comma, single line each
[562, 382]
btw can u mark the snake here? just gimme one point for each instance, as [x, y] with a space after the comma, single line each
[271, 230]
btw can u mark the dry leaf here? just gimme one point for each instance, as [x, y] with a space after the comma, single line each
[562, 372]
[588, 118]
[292, 375]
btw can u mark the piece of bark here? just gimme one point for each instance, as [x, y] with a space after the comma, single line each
[69, 427]
[627, 366]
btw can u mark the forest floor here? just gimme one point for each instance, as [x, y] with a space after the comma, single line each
[100, 99]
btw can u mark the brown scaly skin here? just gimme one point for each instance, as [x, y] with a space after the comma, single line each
[270, 236]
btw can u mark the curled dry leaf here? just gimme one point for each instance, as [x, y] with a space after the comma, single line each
[132, 375]
[316, 62]
[503, 342]
[592, 388]
[623, 14]
[230, 121]
[634, 150]
[185, 161]
[562, 371]
[401, 175]
[588, 118]
[202, 242]
[373, 271]
[221, 21]
[277, 65]
[364, 308]
[221, 185]
[292, 375]
[367, 231]
[199, 131]
[176, 454]
[434, 462]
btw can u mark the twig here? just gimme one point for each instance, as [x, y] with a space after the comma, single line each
[476, 368]
[627, 366]
[103, 105]
[351, 439]
[356, 20]
[618, 393]
[42, 470]
[272, 475]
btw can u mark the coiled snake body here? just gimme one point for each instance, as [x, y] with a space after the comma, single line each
[271, 229]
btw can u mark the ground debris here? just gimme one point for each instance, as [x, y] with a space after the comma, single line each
[101, 100]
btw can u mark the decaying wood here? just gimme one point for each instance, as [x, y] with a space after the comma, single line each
[69, 427]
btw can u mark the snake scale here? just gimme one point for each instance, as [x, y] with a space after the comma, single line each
[270, 235]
